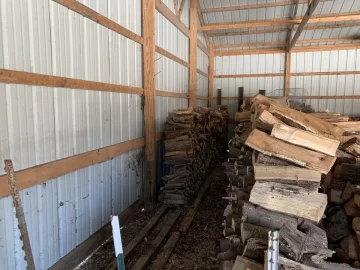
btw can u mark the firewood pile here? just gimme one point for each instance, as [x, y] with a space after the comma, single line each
[281, 158]
[194, 139]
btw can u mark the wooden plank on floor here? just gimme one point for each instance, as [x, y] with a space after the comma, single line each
[136, 240]
[155, 244]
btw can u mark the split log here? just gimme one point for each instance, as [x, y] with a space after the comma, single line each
[305, 139]
[305, 121]
[351, 172]
[356, 224]
[351, 247]
[290, 264]
[292, 242]
[334, 196]
[319, 263]
[269, 160]
[289, 199]
[337, 224]
[242, 116]
[268, 145]
[316, 237]
[253, 231]
[265, 218]
[172, 134]
[254, 249]
[288, 175]
[243, 263]
[348, 192]
[357, 199]
[346, 138]
[352, 209]
[178, 145]
[348, 126]
[352, 146]
[266, 121]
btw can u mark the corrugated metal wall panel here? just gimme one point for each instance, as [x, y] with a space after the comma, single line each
[202, 60]
[166, 105]
[202, 85]
[63, 212]
[201, 103]
[329, 85]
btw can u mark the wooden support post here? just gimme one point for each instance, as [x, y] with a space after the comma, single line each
[193, 49]
[148, 14]
[219, 97]
[262, 92]
[211, 75]
[241, 97]
[287, 74]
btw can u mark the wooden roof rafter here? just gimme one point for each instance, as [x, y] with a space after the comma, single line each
[305, 20]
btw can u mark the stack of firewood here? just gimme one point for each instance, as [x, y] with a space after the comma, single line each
[193, 142]
[293, 152]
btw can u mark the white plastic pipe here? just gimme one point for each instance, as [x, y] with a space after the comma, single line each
[273, 250]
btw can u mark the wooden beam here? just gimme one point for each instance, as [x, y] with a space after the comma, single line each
[181, 8]
[278, 30]
[193, 51]
[287, 74]
[39, 174]
[304, 97]
[202, 98]
[160, 93]
[148, 29]
[273, 43]
[253, 6]
[249, 75]
[202, 47]
[100, 19]
[170, 16]
[176, 7]
[21, 77]
[202, 22]
[306, 18]
[279, 22]
[211, 75]
[332, 47]
[171, 56]
[325, 73]
[202, 73]
[248, 52]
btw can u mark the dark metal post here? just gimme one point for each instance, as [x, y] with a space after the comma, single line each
[219, 97]
[241, 97]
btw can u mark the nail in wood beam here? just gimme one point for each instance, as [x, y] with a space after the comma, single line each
[303, 23]
[211, 75]
[148, 24]
[193, 49]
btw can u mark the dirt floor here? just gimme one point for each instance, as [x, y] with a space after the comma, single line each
[197, 250]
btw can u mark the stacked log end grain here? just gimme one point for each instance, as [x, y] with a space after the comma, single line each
[191, 145]
[292, 153]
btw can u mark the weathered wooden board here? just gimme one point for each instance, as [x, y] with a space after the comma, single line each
[305, 139]
[271, 146]
[305, 121]
[291, 200]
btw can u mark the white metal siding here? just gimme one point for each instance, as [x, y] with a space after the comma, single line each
[202, 85]
[329, 85]
[166, 105]
[201, 103]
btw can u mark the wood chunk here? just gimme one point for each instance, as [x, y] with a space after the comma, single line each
[352, 209]
[255, 248]
[253, 231]
[357, 199]
[348, 192]
[243, 263]
[316, 237]
[305, 121]
[290, 264]
[286, 174]
[351, 172]
[352, 146]
[351, 246]
[305, 139]
[268, 145]
[268, 160]
[242, 116]
[266, 121]
[346, 138]
[337, 224]
[292, 242]
[289, 199]
[265, 218]
[356, 224]
[348, 126]
[341, 254]
[334, 196]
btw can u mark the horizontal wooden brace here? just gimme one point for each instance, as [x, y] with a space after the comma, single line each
[171, 56]
[331, 47]
[202, 73]
[203, 47]
[249, 75]
[302, 97]
[21, 77]
[325, 73]
[161, 93]
[39, 174]
[100, 19]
